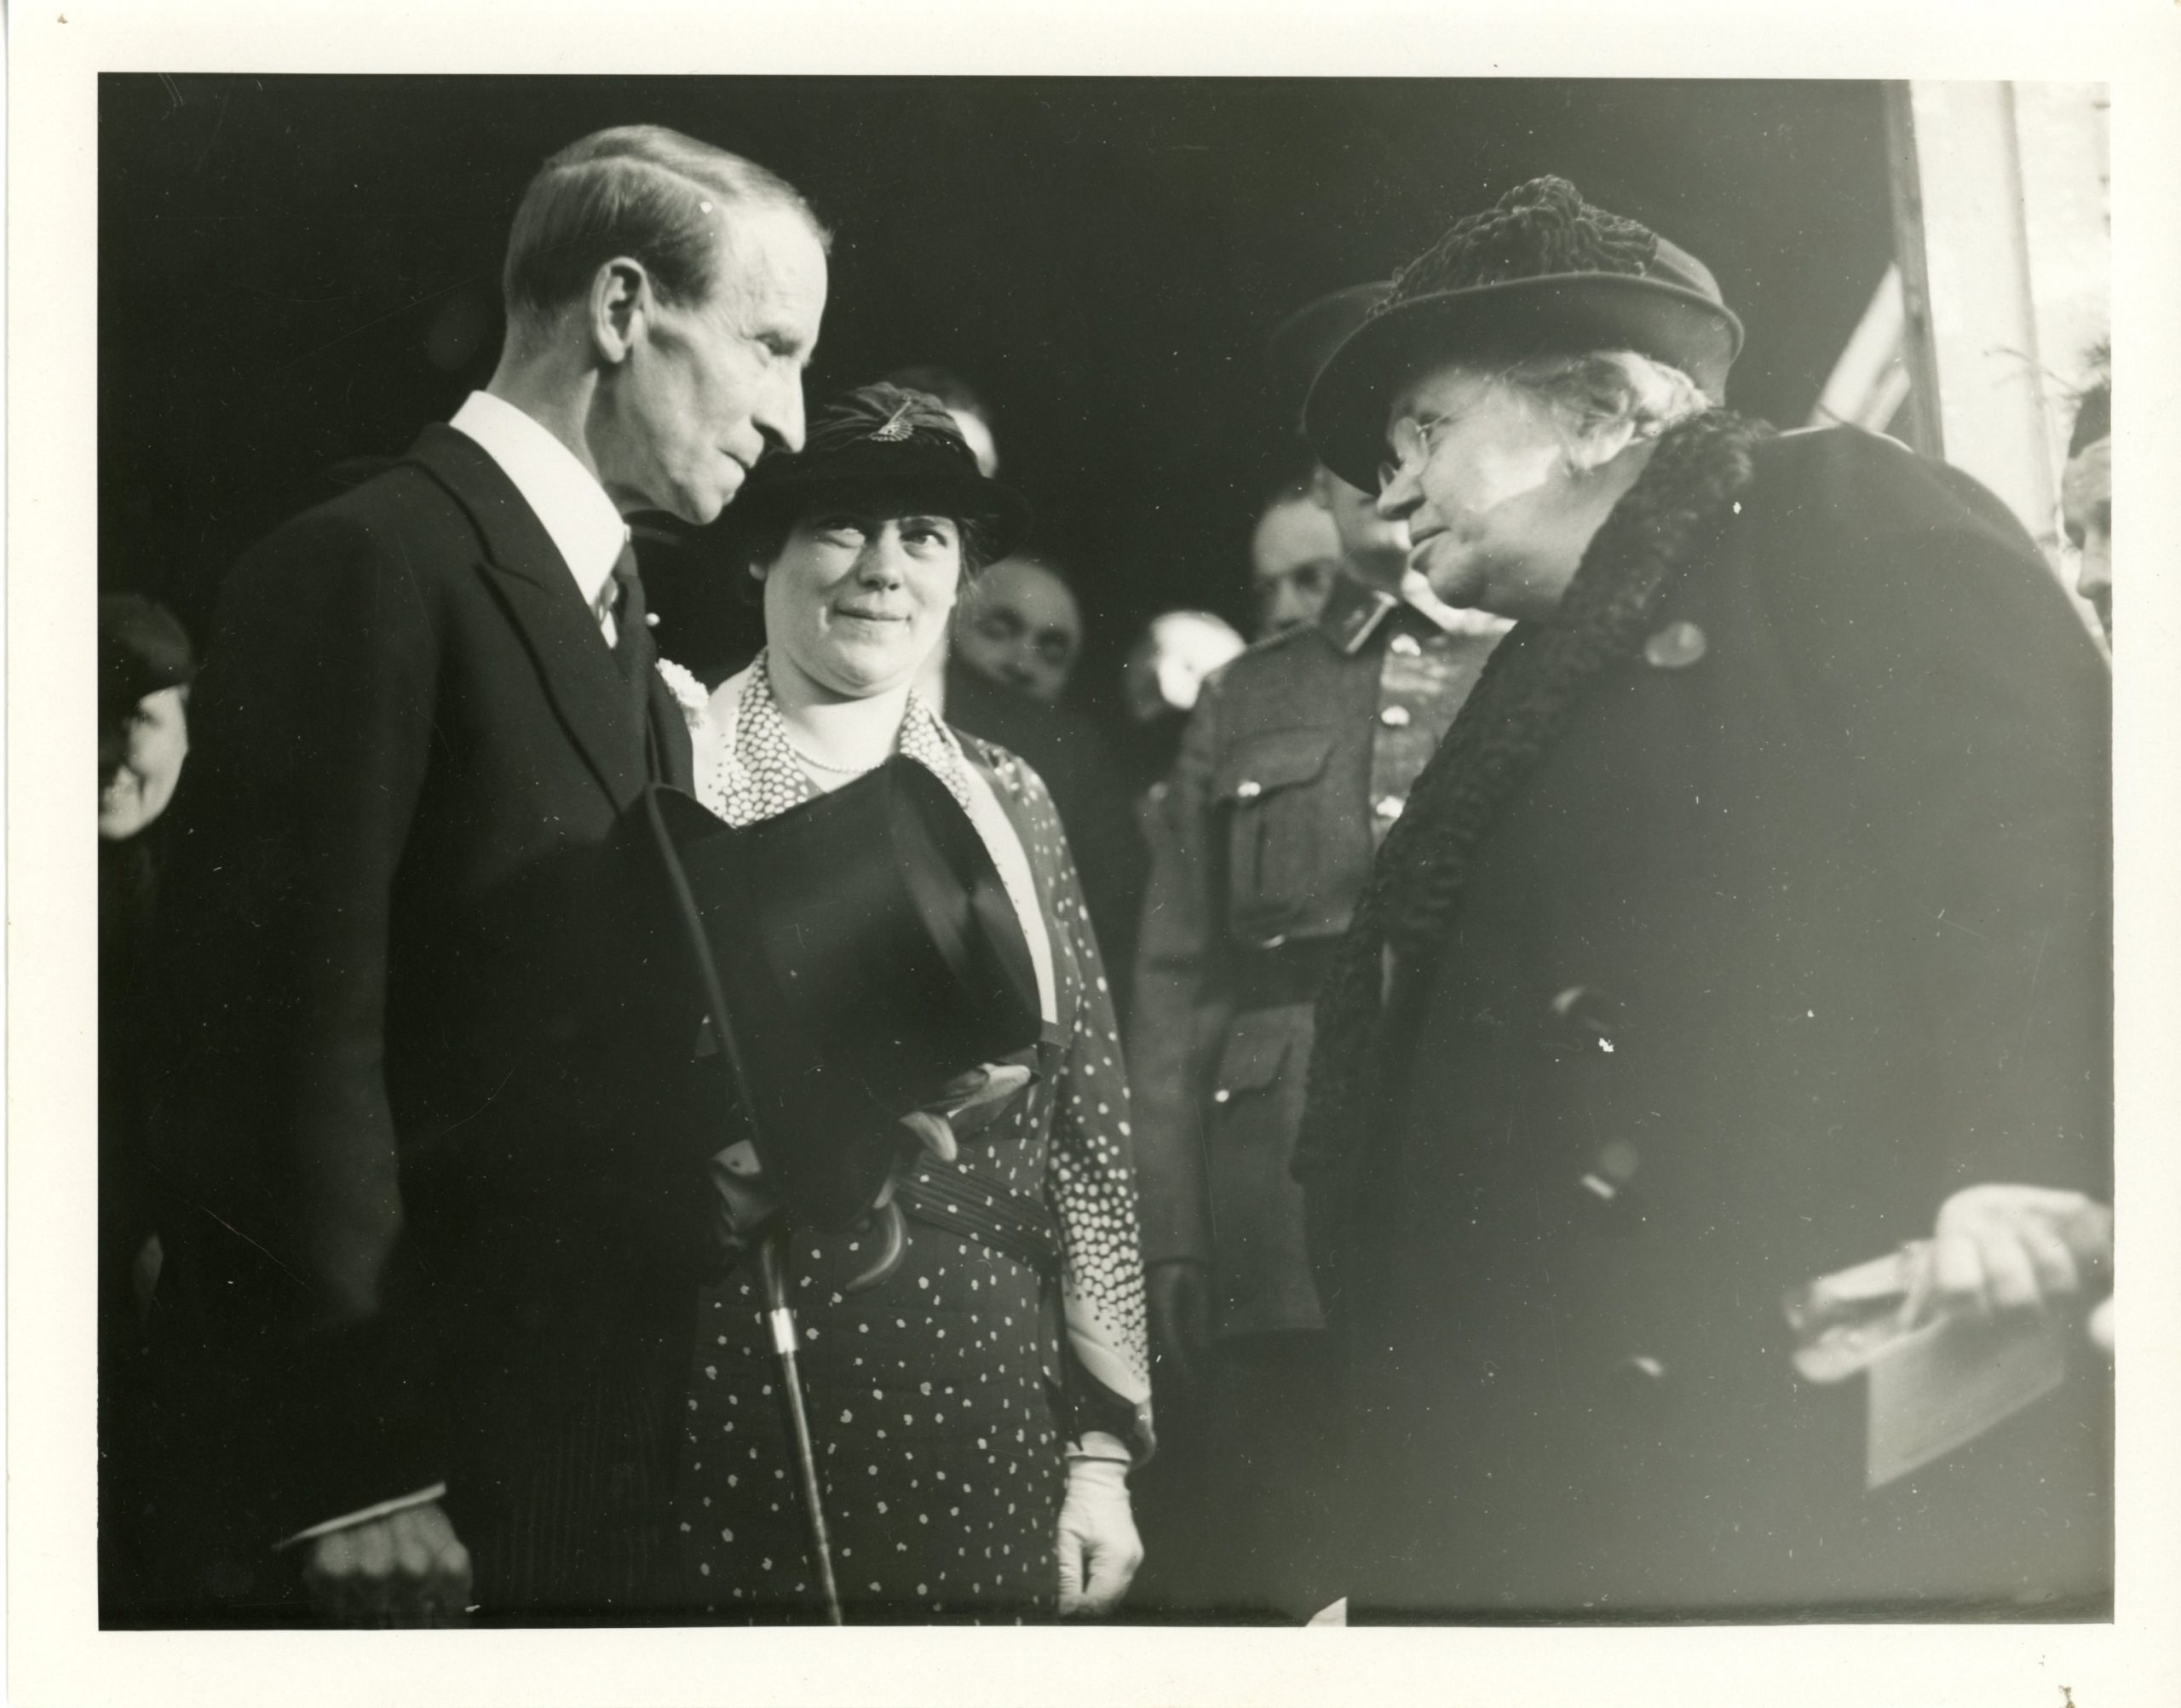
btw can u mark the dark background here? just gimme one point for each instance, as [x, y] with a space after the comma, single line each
[297, 270]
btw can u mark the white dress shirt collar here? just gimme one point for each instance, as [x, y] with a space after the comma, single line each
[565, 495]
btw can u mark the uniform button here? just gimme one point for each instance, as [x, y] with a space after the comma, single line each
[1388, 807]
[1644, 1367]
[1248, 788]
[1222, 1095]
[1405, 646]
[1676, 646]
[1394, 716]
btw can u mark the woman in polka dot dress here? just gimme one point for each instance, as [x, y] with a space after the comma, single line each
[975, 1413]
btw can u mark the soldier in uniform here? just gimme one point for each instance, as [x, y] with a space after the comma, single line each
[1298, 760]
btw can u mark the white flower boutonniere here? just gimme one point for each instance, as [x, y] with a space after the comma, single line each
[688, 693]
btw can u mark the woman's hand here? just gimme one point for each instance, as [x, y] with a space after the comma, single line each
[967, 1103]
[747, 1205]
[1099, 1548]
[2015, 1248]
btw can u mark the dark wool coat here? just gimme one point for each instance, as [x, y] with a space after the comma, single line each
[1794, 923]
[432, 1129]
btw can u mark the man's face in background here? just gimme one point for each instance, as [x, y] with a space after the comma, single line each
[1021, 627]
[2086, 510]
[1375, 549]
[1294, 556]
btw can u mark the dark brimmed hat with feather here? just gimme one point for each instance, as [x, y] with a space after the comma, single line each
[1544, 272]
[881, 440]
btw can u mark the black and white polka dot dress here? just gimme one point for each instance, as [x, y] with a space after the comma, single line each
[938, 1432]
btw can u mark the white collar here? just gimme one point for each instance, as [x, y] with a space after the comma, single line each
[564, 496]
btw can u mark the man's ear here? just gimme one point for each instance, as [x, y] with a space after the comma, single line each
[620, 300]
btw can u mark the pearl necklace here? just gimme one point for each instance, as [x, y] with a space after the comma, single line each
[818, 764]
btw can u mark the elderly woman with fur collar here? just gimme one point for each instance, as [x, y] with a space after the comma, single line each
[1751, 921]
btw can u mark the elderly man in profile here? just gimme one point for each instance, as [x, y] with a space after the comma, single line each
[432, 1147]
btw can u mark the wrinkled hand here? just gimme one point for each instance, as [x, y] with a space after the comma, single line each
[1181, 1313]
[967, 1103]
[2014, 1248]
[1099, 1549]
[408, 1568]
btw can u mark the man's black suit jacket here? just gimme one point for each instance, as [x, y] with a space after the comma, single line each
[432, 1136]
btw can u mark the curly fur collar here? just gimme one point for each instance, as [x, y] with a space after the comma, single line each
[1668, 520]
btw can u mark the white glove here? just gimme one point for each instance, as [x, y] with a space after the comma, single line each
[1099, 1549]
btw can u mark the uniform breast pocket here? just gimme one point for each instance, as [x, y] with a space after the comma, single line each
[1270, 788]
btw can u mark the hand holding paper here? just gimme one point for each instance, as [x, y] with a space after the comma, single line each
[1999, 1249]
[1960, 1332]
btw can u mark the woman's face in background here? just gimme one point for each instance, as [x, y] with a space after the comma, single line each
[860, 595]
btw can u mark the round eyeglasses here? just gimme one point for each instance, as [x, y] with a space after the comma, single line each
[1408, 441]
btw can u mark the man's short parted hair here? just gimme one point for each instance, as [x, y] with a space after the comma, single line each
[637, 190]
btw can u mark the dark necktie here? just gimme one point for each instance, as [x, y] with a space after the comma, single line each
[634, 649]
[632, 642]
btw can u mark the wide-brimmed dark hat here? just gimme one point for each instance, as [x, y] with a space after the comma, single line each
[1301, 345]
[1544, 272]
[882, 440]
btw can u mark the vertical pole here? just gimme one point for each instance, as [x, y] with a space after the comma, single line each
[771, 1275]
[1922, 424]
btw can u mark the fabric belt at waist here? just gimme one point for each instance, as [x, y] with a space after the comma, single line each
[1021, 1228]
[1284, 976]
